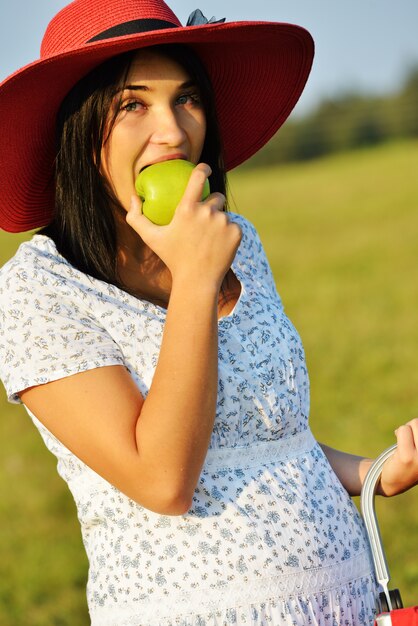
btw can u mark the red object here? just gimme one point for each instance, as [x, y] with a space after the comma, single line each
[404, 617]
[258, 71]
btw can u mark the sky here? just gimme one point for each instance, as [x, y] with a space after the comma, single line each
[362, 45]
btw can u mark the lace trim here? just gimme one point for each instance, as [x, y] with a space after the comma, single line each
[241, 594]
[258, 454]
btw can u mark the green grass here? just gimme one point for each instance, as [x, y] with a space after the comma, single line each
[341, 234]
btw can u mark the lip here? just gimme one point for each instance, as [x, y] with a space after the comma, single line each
[167, 157]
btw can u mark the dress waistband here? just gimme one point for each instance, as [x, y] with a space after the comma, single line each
[260, 453]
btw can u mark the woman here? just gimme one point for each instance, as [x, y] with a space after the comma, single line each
[157, 362]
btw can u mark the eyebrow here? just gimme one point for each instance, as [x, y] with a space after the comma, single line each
[185, 85]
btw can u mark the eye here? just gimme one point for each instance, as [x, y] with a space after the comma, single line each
[189, 98]
[132, 106]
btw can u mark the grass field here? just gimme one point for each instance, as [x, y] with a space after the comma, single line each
[341, 235]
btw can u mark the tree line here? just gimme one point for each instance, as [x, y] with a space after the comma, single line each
[345, 123]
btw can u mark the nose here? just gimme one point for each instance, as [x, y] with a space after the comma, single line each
[168, 128]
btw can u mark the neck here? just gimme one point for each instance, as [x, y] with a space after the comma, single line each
[140, 270]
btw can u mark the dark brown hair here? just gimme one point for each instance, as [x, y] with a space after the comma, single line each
[83, 227]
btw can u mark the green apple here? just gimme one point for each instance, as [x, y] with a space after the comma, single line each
[161, 187]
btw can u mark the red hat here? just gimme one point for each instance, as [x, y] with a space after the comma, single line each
[247, 62]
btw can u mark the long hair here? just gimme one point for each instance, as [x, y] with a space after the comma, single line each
[83, 227]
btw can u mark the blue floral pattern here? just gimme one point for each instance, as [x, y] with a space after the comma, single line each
[272, 537]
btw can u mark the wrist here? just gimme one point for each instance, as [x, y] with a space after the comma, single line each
[193, 293]
[196, 283]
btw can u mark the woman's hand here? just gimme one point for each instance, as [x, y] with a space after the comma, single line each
[153, 448]
[400, 472]
[200, 241]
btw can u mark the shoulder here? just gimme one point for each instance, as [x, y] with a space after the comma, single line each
[48, 327]
[39, 272]
[34, 259]
[251, 242]
[248, 229]
[251, 246]
[252, 256]
[29, 281]
[29, 287]
[39, 283]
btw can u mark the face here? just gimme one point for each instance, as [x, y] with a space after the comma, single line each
[160, 117]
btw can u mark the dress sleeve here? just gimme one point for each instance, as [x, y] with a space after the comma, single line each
[45, 333]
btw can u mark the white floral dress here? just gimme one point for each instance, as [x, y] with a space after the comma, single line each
[272, 537]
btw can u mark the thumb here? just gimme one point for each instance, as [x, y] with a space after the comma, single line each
[135, 209]
[136, 219]
[149, 232]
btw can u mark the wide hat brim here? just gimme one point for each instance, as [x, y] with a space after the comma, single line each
[258, 71]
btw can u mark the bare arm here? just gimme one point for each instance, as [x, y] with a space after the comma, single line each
[153, 450]
[399, 474]
[350, 469]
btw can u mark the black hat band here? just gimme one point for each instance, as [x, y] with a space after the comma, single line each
[133, 27]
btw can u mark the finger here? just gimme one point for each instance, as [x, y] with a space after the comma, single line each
[216, 201]
[414, 425]
[194, 190]
[137, 220]
[406, 443]
[135, 210]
